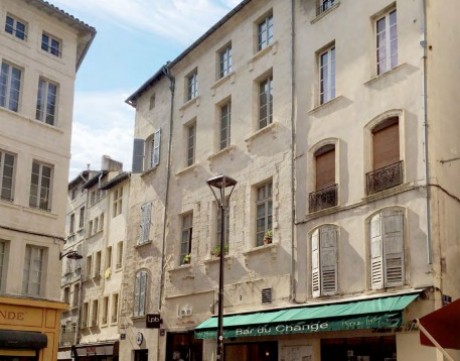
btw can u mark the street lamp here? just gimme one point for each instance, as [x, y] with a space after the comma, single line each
[71, 255]
[218, 186]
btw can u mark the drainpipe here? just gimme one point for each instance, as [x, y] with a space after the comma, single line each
[426, 125]
[293, 147]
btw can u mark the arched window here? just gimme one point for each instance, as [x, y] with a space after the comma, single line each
[324, 261]
[386, 237]
[325, 194]
[140, 293]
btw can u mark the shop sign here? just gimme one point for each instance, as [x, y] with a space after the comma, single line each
[11, 315]
[307, 326]
[153, 320]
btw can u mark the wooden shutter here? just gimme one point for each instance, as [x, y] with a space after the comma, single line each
[328, 260]
[315, 274]
[325, 167]
[142, 292]
[156, 147]
[376, 252]
[138, 156]
[136, 294]
[146, 210]
[386, 143]
[393, 243]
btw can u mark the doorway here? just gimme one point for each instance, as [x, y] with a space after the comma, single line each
[141, 355]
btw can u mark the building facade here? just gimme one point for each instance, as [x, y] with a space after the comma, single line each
[42, 48]
[343, 145]
[98, 202]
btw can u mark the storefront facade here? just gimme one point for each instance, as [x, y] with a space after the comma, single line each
[29, 329]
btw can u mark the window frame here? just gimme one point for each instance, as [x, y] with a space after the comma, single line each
[389, 59]
[117, 201]
[145, 223]
[186, 236]
[225, 61]
[264, 202]
[36, 198]
[34, 269]
[11, 77]
[46, 111]
[265, 104]
[5, 176]
[140, 293]
[225, 125]
[15, 32]
[190, 134]
[191, 84]
[327, 74]
[265, 31]
[51, 44]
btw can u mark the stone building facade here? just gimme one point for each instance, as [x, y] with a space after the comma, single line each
[332, 118]
[41, 50]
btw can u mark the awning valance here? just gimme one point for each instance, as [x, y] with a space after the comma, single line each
[376, 313]
[22, 340]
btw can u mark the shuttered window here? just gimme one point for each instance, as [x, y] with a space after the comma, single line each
[140, 292]
[386, 143]
[146, 211]
[325, 167]
[324, 261]
[387, 249]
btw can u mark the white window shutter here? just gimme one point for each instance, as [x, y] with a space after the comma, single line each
[146, 210]
[156, 147]
[328, 260]
[315, 274]
[376, 252]
[393, 244]
[136, 294]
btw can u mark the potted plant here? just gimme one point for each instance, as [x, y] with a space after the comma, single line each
[268, 236]
[216, 250]
[187, 258]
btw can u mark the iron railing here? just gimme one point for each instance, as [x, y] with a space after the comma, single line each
[322, 199]
[384, 178]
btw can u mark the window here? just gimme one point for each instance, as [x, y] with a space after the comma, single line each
[94, 313]
[16, 27]
[90, 228]
[40, 186]
[324, 5]
[89, 267]
[72, 223]
[140, 293]
[386, 42]
[146, 153]
[324, 261]
[81, 223]
[101, 222]
[117, 201]
[266, 102]
[325, 194]
[146, 214]
[51, 45]
[327, 75]
[119, 255]
[387, 166]
[10, 85]
[186, 236]
[192, 85]
[226, 225]
[7, 161]
[46, 102]
[153, 148]
[76, 295]
[66, 295]
[105, 310]
[225, 125]
[84, 315]
[387, 249]
[152, 102]
[264, 211]
[108, 258]
[33, 270]
[98, 265]
[225, 61]
[190, 132]
[3, 259]
[96, 225]
[114, 307]
[265, 32]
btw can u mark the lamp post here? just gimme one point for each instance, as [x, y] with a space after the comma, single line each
[218, 186]
[71, 255]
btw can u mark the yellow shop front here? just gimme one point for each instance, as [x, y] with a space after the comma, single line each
[29, 329]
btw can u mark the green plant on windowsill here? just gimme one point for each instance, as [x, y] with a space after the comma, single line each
[268, 236]
[216, 250]
[187, 258]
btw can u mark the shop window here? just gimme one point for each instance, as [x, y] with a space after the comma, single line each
[381, 348]
[261, 351]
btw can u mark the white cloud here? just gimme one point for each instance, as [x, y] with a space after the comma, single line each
[103, 125]
[180, 20]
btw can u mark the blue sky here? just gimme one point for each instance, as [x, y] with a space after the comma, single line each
[134, 39]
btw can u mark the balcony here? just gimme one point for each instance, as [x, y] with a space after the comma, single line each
[384, 178]
[322, 199]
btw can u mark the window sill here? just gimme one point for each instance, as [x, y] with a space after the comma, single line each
[140, 245]
[326, 105]
[267, 248]
[184, 270]
[190, 169]
[41, 212]
[271, 128]
[189, 103]
[230, 150]
[273, 48]
[149, 171]
[230, 77]
[389, 73]
[325, 12]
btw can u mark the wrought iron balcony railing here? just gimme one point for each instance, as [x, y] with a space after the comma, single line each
[384, 178]
[322, 199]
[324, 5]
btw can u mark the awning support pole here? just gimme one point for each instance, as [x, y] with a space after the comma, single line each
[433, 340]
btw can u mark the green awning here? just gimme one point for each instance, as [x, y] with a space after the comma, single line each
[376, 313]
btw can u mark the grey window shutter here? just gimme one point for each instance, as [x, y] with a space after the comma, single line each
[315, 275]
[328, 259]
[156, 147]
[393, 244]
[146, 210]
[136, 294]
[376, 252]
[138, 156]
[142, 294]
